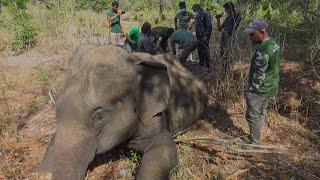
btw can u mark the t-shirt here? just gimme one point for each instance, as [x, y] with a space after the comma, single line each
[183, 37]
[146, 45]
[264, 75]
[115, 23]
[183, 18]
[134, 34]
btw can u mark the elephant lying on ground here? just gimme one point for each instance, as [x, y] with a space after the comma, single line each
[111, 97]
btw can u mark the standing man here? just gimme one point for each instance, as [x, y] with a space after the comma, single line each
[263, 77]
[183, 17]
[115, 29]
[203, 32]
[145, 44]
[228, 28]
[186, 41]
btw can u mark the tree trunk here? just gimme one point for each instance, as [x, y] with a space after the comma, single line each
[161, 6]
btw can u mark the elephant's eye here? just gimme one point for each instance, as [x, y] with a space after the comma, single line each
[100, 116]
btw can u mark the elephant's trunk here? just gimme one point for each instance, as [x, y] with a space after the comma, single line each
[74, 149]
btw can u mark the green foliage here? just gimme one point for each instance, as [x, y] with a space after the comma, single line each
[20, 4]
[26, 32]
[96, 5]
[134, 157]
[44, 75]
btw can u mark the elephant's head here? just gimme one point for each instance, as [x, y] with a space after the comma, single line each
[107, 95]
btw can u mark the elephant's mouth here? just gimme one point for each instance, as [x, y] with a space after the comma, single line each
[114, 154]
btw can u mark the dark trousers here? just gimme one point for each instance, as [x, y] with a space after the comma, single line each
[226, 42]
[186, 51]
[204, 54]
[256, 114]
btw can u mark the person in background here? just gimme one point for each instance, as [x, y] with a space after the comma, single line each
[182, 20]
[115, 34]
[186, 41]
[161, 35]
[228, 28]
[203, 27]
[145, 44]
[263, 77]
[132, 38]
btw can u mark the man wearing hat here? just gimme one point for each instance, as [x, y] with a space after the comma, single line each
[183, 17]
[263, 77]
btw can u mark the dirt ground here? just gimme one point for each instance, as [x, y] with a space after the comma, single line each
[211, 149]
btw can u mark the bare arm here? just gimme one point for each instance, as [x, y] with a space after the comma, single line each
[111, 18]
[175, 22]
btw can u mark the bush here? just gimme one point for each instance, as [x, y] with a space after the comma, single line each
[26, 32]
[25, 38]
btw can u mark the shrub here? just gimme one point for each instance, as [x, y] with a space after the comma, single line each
[26, 32]
[25, 38]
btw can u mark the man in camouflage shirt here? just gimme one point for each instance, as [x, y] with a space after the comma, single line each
[183, 17]
[263, 77]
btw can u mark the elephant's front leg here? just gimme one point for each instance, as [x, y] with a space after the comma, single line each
[159, 158]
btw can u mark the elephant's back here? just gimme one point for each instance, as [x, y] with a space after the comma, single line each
[108, 65]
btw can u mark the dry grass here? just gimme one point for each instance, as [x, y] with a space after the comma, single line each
[28, 122]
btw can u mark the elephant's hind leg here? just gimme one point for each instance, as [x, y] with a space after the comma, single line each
[159, 158]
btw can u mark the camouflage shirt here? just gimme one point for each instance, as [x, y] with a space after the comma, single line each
[183, 19]
[265, 69]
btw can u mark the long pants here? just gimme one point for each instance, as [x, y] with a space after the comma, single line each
[186, 51]
[256, 114]
[204, 54]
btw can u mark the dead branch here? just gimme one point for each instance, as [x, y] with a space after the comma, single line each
[51, 95]
[223, 141]
[301, 172]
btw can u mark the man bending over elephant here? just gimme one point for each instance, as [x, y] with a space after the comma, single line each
[111, 98]
[145, 43]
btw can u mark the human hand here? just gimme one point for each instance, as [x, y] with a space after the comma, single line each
[118, 12]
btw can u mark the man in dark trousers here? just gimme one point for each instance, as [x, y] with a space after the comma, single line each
[228, 28]
[203, 32]
[264, 77]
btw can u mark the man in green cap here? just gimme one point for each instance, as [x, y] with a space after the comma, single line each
[263, 77]
[132, 38]
[115, 34]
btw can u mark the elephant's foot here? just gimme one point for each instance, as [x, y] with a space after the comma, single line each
[159, 158]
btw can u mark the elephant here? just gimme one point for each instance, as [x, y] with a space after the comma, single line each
[110, 97]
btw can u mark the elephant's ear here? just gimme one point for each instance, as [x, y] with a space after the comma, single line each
[152, 93]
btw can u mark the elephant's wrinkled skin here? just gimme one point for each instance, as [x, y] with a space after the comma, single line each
[111, 97]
